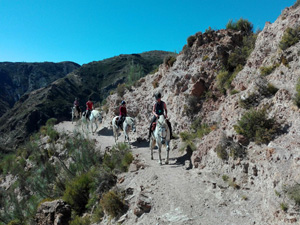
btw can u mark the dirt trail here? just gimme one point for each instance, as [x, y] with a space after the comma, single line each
[176, 195]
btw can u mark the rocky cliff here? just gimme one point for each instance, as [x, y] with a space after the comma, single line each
[17, 79]
[257, 185]
[94, 80]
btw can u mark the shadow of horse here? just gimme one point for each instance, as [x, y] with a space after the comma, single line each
[105, 132]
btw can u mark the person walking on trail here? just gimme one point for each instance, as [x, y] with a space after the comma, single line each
[122, 114]
[89, 108]
[159, 108]
[76, 105]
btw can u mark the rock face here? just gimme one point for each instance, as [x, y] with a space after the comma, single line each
[17, 79]
[53, 213]
[94, 80]
[266, 169]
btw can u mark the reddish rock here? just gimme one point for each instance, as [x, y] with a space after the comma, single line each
[198, 88]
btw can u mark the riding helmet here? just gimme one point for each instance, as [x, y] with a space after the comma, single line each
[158, 95]
[123, 102]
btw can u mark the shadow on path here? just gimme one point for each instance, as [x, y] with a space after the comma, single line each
[186, 157]
[140, 143]
[105, 132]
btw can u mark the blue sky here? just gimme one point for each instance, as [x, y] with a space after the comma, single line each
[85, 31]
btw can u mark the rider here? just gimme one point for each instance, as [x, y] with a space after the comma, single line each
[159, 108]
[122, 114]
[76, 105]
[89, 108]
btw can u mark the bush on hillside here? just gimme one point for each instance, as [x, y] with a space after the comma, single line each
[80, 221]
[191, 40]
[266, 70]
[113, 204]
[169, 60]
[290, 37]
[77, 192]
[243, 25]
[297, 96]
[293, 192]
[119, 159]
[121, 90]
[256, 126]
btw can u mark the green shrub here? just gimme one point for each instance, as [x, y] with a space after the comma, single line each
[191, 40]
[240, 54]
[293, 192]
[284, 206]
[225, 178]
[241, 25]
[297, 96]
[225, 78]
[77, 192]
[119, 159]
[15, 222]
[271, 89]
[256, 126]
[266, 70]
[80, 221]
[121, 90]
[169, 60]
[221, 152]
[205, 58]
[51, 122]
[98, 214]
[233, 92]
[193, 106]
[113, 204]
[290, 37]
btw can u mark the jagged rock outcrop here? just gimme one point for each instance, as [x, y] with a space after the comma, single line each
[55, 212]
[17, 79]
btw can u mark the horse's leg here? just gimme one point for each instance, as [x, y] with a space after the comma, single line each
[168, 150]
[159, 153]
[152, 143]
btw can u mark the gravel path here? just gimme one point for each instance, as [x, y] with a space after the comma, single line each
[177, 195]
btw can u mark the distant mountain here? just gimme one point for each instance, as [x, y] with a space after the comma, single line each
[17, 79]
[94, 80]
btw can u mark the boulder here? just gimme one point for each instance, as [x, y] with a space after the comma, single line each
[198, 88]
[55, 212]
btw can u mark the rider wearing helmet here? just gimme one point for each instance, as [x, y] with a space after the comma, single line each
[76, 105]
[159, 108]
[122, 114]
[89, 107]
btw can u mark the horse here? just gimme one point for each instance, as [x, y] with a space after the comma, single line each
[93, 118]
[75, 113]
[128, 123]
[160, 136]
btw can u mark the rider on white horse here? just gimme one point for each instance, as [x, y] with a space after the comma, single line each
[76, 105]
[89, 108]
[122, 114]
[159, 108]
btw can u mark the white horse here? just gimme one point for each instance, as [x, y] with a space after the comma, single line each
[160, 136]
[128, 123]
[75, 113]
[94, 117]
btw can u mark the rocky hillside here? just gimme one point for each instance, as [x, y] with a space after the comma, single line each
[94, 80]
[17, 79]
[251, 155]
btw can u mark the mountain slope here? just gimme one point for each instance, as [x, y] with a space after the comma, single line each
[251, 180]
[94, 80]
[17, 79]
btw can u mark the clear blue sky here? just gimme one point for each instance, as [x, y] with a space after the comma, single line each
[84, 31]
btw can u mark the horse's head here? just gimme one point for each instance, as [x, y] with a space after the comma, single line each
[162, 128]
[133, 124]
